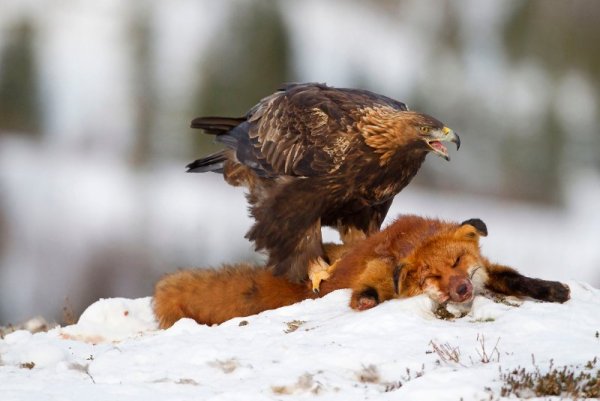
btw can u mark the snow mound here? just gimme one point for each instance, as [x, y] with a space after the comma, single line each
[113, 319]
[316, 348]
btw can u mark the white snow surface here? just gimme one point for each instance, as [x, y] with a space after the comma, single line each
[116, 352]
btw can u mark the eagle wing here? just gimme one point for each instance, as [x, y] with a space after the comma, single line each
[302, 130]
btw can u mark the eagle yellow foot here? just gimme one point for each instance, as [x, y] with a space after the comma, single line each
[318, 271]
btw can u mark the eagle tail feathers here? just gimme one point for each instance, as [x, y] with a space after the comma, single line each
[216, 125]
[213, 162]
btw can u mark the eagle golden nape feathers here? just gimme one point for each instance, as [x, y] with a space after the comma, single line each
[312, 155]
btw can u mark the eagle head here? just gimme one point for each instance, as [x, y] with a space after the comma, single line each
[391, 131]
[433, 133]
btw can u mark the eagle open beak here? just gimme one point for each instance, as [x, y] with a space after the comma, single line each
[442, 135]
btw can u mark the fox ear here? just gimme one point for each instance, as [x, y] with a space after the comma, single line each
[397, 271]
[478, 224]
[472, 228]
[401, 272]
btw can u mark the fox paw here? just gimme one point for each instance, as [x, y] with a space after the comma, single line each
[365, 299]
[547, 291]
[559, 292]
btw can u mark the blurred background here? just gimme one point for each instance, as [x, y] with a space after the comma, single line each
[96, 98]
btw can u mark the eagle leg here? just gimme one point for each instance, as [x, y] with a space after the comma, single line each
[354, 227]
[351, 235]
[288, 226]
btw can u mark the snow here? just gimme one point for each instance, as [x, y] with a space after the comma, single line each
[313, 349]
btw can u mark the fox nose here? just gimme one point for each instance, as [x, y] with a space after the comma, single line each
[461, 289]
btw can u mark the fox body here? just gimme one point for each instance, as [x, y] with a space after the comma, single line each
[412, 256]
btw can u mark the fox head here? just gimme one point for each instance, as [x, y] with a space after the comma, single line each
[445, 266]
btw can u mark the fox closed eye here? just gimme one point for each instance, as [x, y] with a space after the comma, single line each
[456, 262]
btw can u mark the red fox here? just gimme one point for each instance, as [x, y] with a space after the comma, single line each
[414, 255]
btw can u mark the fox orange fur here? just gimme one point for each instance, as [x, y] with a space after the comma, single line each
[414, 255]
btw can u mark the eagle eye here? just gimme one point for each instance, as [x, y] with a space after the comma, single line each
[425, 129]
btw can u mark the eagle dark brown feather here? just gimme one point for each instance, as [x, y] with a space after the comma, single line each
[312, 155]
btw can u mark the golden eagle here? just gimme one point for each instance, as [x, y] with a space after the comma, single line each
[314, 155]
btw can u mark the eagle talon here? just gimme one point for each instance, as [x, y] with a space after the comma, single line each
[319, 271]
[317, 276]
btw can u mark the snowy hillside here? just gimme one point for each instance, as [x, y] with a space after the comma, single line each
[317, 349]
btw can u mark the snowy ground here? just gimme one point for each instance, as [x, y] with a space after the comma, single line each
[317, 349]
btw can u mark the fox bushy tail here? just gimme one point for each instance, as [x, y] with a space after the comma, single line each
[212, 296]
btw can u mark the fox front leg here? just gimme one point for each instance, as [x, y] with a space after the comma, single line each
[508, 281]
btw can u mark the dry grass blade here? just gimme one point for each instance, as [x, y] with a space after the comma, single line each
[368, 374]
[484, 355]
[446, 352]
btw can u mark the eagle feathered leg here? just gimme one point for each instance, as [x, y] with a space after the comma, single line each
[291, 238]
[350, 234]
[357, 226]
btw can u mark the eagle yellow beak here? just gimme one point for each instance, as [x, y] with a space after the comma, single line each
[453, 136]
[438, 136]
